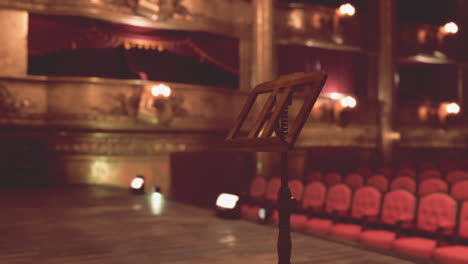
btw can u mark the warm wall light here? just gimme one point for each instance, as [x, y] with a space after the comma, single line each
[450, 28]
[447, 113]
[348, 102]
[161, 90]
[346, 10]
[296, 19]
[452, 108]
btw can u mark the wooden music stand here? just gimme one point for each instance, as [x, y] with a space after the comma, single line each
[270, 134]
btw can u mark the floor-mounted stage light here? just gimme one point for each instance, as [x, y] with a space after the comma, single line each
[227, 206]
[138, 185]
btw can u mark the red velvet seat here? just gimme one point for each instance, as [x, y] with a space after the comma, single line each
[398, 206]
[418, 246]
[378, 181]
[455, 176]
[406, 183]
[456, 254]
[337, 203]
[269, 199]
[459, 190]
[313, 200]
[366, 203]
[436, 210]
[297, 188]
[432, 185]
[255, 195]
[332, 178]
[354, 180]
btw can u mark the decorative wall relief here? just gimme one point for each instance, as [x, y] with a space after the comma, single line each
[123, 103]
[9, 103]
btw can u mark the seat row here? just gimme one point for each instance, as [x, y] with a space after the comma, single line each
[434, 225]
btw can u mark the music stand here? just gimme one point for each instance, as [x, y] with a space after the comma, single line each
[270, 133]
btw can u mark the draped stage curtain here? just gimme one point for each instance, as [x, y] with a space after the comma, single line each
[85, 47]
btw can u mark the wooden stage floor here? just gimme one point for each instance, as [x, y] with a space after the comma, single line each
[105, 225]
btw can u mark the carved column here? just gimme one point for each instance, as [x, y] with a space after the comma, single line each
[13, 38]
[263, 26]
[385, 74]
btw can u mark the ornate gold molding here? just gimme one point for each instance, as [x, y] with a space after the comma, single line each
[220, 17]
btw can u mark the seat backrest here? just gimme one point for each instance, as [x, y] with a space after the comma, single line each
[436, 210]
[354, 180]
[427, 174]
[432, 185]
[406, 172]
[463, 220]
[338, 198]
[272, 189]
[314, 195]
[332, 178]
[297, 188]
[456, 175]
[459, 190]
[398, 205]
[378, 181]
[404, 183]
[314, 176]
[387, 172]
[366, 202]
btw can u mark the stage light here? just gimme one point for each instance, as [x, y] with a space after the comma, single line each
[138, 185]
[157, 203]
[262, 214]
[227, 201]
[161, 90]
[348, 102]
[227, 205]
[347, 10]
[450, 28]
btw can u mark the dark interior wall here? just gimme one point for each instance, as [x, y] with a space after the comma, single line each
[198, 178]
[433, 155]
[341, 159]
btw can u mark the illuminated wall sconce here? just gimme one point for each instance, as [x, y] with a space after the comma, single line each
[447, 113]
[449, 28]
[296, 19]
[155, 105]
[341, 107]
[346, 10]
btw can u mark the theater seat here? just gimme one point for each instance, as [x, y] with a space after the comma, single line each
[378, 238]
[313, 200]
[435, 211]
[346, 231]
[456, 254]
[398, 208]
[366, 203]
[250, 212]
[337, 203]
[318, 225]
[452, 255]
[417, 246]
[298, 221]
